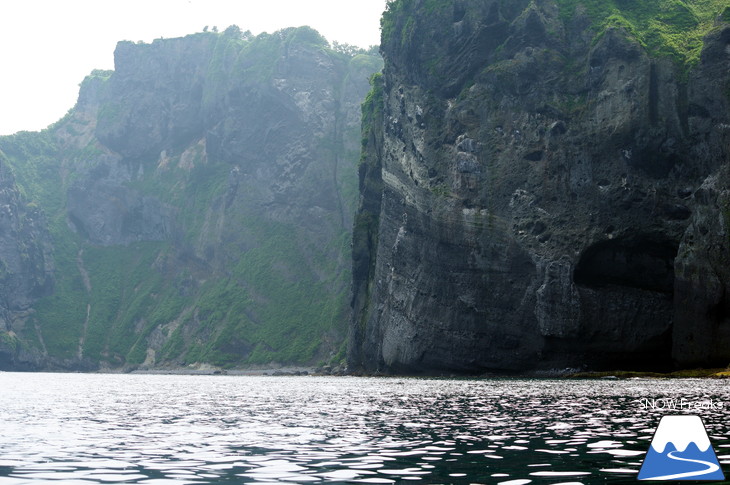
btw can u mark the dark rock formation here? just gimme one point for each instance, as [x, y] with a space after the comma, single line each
[537, 195]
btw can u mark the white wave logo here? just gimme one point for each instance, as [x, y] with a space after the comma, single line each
[681, 450]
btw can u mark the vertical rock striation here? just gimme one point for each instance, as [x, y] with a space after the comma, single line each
[541, 189]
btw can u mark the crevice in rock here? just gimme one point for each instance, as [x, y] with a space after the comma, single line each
[683, 108]
[653, 95]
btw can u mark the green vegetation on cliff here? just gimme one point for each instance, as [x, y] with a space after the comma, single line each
[672, 28]
[199, 200]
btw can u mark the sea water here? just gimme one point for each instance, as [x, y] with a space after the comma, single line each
[97, 428]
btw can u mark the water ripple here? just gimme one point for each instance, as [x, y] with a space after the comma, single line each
[224, 429]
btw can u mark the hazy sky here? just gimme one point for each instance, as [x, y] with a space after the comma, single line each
[48, 46]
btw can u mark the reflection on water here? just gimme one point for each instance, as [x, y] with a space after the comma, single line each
[224, 429]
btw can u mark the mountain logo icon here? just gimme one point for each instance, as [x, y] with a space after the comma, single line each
[681, 450]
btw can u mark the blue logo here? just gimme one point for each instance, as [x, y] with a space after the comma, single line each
[681, 450]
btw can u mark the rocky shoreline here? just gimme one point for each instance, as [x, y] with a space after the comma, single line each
[206, 369]
[297, 371]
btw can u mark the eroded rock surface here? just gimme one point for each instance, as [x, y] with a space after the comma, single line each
[537, 196]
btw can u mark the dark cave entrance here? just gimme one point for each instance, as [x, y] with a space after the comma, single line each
[645, 263]
[627, 292]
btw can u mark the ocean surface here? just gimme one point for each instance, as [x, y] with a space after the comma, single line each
[159, 429]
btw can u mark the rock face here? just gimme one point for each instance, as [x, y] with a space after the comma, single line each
[26, 267]
[199, 200]
[540, 193]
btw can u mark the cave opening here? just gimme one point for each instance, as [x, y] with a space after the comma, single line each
[627, 290]
[644, 262]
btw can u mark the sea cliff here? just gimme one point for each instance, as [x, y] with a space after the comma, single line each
[544, 185]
